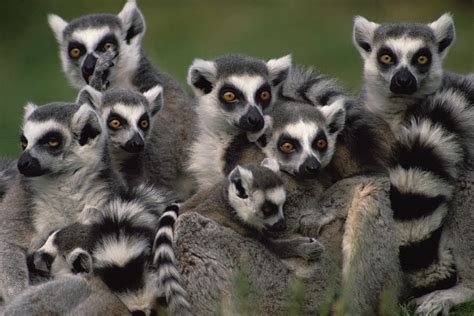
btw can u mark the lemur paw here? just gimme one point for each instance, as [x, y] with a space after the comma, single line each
[434, 303]
[308, 248]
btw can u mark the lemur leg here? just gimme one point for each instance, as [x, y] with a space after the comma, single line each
[441, 302]
[304, 247]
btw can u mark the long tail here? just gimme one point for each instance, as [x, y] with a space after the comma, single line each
[166, 263]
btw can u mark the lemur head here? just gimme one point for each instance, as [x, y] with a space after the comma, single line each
[83, 39]
[127, 114]
[235, 91]
[60, 138]
[403, 59]
[257, 195]
[303, 137]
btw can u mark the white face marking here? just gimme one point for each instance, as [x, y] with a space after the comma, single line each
[90, 37]
[33, 131]
[405, 47]
[276, 196]
[49, 246]
[248, 85]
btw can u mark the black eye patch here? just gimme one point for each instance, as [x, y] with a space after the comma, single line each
[116, 116]
[51, 136]
[320, 141]
[421, 55]
[109, 38]
[285, 138]
[78, 45]
[386, 51]
[263, 96]
[144, 117]
[239, 96]
[269, 209]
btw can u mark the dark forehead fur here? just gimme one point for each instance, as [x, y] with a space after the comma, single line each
[396, 30]
[73, 236]
[93, 21]
[126, 97]
[58, 111]
[231, 64]
[264, 178]
[285, 113]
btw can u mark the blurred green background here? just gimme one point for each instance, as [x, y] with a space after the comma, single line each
[317, 33]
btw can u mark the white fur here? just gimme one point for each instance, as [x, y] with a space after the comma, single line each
[202, 67]
[29, 109]
[33, 131]
[58, 25]
[419, 181]
[118, 251]
[278, 65]
[90, 37]
[49, 246]
[153, 93]
[271, 164]
[441, 29]
[276, 195]
[363, 29]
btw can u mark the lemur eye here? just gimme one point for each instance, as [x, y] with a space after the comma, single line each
[75, 52]
[53, 143]
[144, 124]
[385, 59]
[321, 144]
[229, 96]
[114, 124]
[287, 147]
[422, 60]
[108, 46]
[265, 95]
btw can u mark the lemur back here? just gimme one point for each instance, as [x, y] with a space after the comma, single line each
[85, 39]
[430, 114]
[128, 245]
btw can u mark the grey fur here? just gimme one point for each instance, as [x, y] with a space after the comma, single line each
[8, 173]
[174, 126]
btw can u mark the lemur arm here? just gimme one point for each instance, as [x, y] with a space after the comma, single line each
[101, 71]
[304, 247]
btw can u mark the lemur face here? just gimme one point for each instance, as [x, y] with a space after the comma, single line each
[402, 59]
[236, 91]
[59, 138]
[304, 137]
[257, 195]
[127, 114]
[82, 40]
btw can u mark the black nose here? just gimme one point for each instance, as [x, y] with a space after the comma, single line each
[252, 121]
[135, 145]
[88, 67]
[403, 82]
[309, 168]
[29, 166]
[278, 226]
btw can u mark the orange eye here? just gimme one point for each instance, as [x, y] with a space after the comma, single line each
[265, 95]
[108, 46]
[229, 96]
[144, 124]
[287, 147]
[385, 59]
[321, 144]
[115, 124]
[53, 143]
[422, 60]
[75, 52]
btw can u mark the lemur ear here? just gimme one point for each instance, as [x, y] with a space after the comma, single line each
[271, 164]
[443, 29]
[133, 21]
[80, 261]
[335, 114]
[201, 76]
[29, 109]
[363, 35]
[279, 69]
[242, 179]
[155, 98]
[58, 25]
[86, 124]
[90, 96]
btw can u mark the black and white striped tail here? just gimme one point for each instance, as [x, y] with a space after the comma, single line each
[165, 261]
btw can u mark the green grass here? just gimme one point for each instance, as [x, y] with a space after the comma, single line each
[316, 33]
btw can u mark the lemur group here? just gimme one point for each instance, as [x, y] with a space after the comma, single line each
[138, 198]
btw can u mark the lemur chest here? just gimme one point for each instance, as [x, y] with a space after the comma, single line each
[57, 207]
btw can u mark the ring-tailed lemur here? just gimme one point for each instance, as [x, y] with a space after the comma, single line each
[234, 93]
[85, 39]
[8, 173]
[128, 116]
[430, 112]
[250, 201]
[65, 169]
[128, 245]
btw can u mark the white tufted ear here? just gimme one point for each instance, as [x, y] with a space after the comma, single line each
[279, 68]
[271, 164]
[202, 75]
[133, 21]
[155, 98]
[443, 29]
[29, 109]
[363, 35]
[58, 25]
[242, 179]
[335, 114]
[86, 124]
[90, 96]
